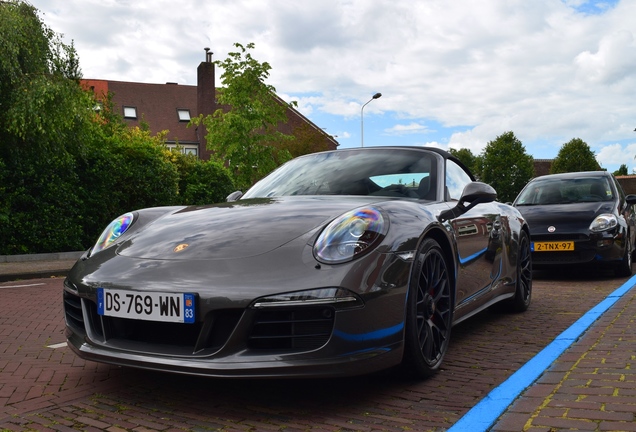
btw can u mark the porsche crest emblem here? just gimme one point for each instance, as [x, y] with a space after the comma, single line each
[180, 248]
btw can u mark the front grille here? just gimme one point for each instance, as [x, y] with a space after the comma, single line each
[152, 332]
[288, 329]
[560, 237]
[292, 329]
[563, 257]
[204, 337]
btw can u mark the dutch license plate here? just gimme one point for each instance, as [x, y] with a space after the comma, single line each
[149, 306]
[553, 246]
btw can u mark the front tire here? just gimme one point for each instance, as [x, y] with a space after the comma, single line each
[523, 286]
[624, 268]
[429, 311]
[523, 291]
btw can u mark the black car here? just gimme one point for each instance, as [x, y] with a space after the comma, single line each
[337, 263]
[579, 218]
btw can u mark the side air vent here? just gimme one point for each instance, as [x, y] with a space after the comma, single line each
[73, 312]
[299, 329]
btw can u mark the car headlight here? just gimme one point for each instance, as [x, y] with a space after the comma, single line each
[603, 222]
[113, 231]
[350, 235]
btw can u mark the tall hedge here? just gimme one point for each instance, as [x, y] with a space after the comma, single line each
[56, 202]
[200, 182]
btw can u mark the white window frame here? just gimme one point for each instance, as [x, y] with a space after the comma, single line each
[130, 112]
[183, 114]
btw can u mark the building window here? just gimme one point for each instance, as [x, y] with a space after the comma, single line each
[130, 112]
[184, 115]
[192, 149]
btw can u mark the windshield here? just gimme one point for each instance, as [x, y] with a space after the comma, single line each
[382, 172]
[564, 191]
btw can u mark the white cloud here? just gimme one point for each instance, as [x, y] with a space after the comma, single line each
[616, 155]
[411, 128]
[614, 60]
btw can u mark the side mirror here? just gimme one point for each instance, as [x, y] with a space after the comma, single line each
[480, 192]
[234, 196]
[630, 199]
[474, 193]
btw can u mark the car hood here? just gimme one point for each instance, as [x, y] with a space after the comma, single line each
[234, 230]
[573, 215]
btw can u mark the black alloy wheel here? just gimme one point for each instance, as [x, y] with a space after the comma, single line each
[523, 291]
[624, 268]
[429, 311]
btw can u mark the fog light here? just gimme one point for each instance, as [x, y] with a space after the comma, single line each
[603, 243]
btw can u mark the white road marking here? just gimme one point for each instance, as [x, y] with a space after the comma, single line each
[21, 286]
[60, 345]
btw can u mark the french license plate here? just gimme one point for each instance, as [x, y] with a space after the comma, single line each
[553, 246]
[149, 306]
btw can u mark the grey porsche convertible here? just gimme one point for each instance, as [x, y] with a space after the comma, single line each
[337, 263]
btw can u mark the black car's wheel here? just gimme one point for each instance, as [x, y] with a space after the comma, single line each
[624, 268]
[523, 291]
[523, 288]
[429, 311]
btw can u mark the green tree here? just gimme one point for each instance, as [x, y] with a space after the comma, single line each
[506, 166]
[44, 118]
[574, 156]
[4, 204]
[243, 134]
[39, 82]
[621, 171]
[467, 157]
[305, 141]
[65, 170]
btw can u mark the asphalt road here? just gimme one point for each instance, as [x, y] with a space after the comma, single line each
[44, 386]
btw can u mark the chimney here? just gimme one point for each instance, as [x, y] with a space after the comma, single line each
[206, 99]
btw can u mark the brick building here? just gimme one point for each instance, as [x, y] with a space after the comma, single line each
[170, 107]
[542, 167]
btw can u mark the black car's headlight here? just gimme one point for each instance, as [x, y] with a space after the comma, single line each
[351, 235]
[112, 232]
[603, 222]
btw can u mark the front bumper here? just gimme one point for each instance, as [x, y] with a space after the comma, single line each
[601, 248]
[233, 338]
[320, 354]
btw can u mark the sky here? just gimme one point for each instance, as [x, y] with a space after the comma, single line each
[452, 74]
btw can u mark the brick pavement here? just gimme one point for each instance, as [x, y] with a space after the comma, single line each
[591, 387]
[43, 388]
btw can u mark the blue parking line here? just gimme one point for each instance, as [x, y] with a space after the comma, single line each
[483, 415]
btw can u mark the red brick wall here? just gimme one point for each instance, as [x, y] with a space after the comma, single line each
[628, 183]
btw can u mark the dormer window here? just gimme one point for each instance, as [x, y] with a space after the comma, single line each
[130, 112]
[184, 115]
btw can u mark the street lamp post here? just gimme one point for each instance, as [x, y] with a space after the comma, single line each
[375, 96]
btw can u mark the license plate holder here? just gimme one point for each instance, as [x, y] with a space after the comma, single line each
[147, 306]
[553, 246]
